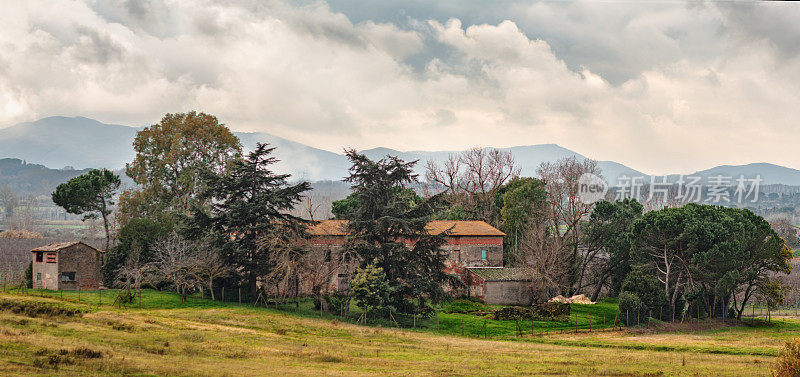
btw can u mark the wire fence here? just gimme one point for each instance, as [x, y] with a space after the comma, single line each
[469, 325]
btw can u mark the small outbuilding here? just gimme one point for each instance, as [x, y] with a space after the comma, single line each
[500, 286]
[68, 266]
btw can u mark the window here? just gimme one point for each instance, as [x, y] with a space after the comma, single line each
[483, 254]
[51, 257]
[40, 257]
[67, 276]
[38, 276]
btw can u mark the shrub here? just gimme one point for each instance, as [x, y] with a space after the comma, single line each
[37, 309]
[788, 362]
[371, 290]
[551, 311]
[337, 302]
[29, 275]
[650, 293]
[463, 306]
[511, 313]
[630, 307]
[125, 297]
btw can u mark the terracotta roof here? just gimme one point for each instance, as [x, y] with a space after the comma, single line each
[501, 273]
[464, 228]
[459, 228]
[57, 246]
[328, 228]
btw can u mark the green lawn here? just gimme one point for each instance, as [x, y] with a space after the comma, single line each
[583, 317]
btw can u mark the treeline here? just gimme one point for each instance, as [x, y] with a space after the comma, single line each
[204, 215]
[668, 262]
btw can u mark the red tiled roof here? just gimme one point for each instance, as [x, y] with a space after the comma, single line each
[58, 246]
[464, 228]
[459, 228]
[328, 228]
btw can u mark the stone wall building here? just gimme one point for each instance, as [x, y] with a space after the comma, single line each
[469, 245]
[500, 286]
[67, 266]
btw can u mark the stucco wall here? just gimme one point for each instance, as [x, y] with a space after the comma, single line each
[507, 293]
[48, 271]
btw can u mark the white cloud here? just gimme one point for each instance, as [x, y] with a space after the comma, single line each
[662, 88]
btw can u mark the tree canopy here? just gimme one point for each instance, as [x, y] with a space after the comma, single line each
[89, 194]
[714, 256]
[170, 159]
[383, 223]
[248, 200]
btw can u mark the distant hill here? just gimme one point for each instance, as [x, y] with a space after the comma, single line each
[61, 141]
[528, 157]
[86, 143]
[770, 173]
[33, 179]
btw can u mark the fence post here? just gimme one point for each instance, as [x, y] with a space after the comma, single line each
[240, 295]
[99, 296]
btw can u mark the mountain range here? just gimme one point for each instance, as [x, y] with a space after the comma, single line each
[78, 142]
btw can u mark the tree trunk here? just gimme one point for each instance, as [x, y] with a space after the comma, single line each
[599, 287]
[105, 224]
[211, 287]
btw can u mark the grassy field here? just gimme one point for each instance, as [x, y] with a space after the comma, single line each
[583, 317]
[202, 337]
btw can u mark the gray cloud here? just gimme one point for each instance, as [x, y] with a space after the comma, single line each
[663, 87]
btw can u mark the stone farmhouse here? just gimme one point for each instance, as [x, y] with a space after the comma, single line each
[474, 254]
[67, 266]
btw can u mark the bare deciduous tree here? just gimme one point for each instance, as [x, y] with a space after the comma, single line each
[472, 177]
[211, 266]
[134, 272]
[176, 261]
[288, 253]
[565, 213]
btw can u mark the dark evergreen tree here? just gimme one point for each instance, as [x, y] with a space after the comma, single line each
[388, 230]
[249, 201]
[606, 234]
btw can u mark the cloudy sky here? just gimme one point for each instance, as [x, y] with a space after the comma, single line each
[663, 87]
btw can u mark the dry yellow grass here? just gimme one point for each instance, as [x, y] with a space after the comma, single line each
[252, 342]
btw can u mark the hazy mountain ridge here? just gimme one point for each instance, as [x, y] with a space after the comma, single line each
[86, 143]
